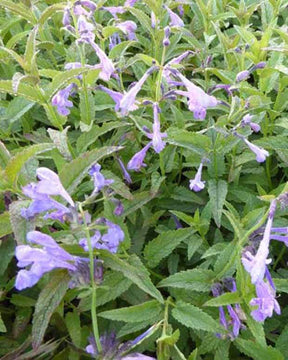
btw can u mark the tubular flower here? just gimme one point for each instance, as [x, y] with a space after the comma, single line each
[157, 142]
[117, 97]
[137, 161]
[106, 65]
[197, 184]
[260, 153]
[175, 20]
[128, 28]
[60, 100]
[98, 178]
[247, 121]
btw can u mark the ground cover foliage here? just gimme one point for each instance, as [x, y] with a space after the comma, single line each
[143, 182]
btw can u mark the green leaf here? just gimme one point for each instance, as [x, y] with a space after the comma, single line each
[72, 321]
[60, 140]
[19, 224]
[139, 200]
[164, 244]
[19, 9]
[195, 279]
[4, 155]
[2, 325]
[281, 285]
[30, 52]
[197, 143]
[258, 352]
[118, 185]
[49, 11]
[16, 163]
[7, 251]
[194, 318]
[137, 313]
[134, 271]
[120, 49]
[217, 192]
[87, 109]
[48, 300]
[72, 174]
[28, 92]
[5, 225]
[282, 342]
[224, 299]
[143, 19]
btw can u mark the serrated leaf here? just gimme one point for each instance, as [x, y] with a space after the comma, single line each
[28, 92]
[136, 313]
[217, 192]
[197, 143]
[134, 271]
[193, 317]
[282, 342]
[60, 140]
[15, 164]
[7, 250]
[118, 185]
[72, 321]
[258, 352]
[164, 244]
[49, 11]
[48, 300]
[195, 279]
[72, 174]
[120, 49]
[19, 9]
[5, 225]
[139, 200]
[30, 52]
[224, 299]
[19, 224]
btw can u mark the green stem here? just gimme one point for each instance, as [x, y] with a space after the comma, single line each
[93, 285]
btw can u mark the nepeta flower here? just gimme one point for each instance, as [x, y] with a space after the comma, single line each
[114, 10]
[126, 175]
[175, 20]
[128, 28]
[157, 142]
[98, 178]
[66, 20]
[108, 241]
[260, 153]
[242, 75]
[247, 121]
[166, 41]
[127, 102]
[137, 161]
[153, 20]
[265, 301]
[197, 184]
[117, 97]
[85, 30]
[256, 264]
[198, 100]
[130, 3]
[106, 65]
[60, 100]
[41, 260]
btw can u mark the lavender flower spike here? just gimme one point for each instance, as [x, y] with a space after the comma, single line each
[197, 184]
[98, 178]
[60, 100]
[85, 30]
[157, 142]
[265, 301]
[50, 184]
[106, 65]
[137, 160]
[256, 265]
[128, 28]
[175, 20]
[41, 260]
[260, 153]
[127, 103]
[243, 75]
[247, 121]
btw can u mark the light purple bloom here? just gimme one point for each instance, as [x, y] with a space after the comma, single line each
[114, 10]
[106, 65]
[175, 20]
[157, 142]
[114, 40]
[85, 30]
[197, 184]
[242, 75]
[60, 100]
[137, 356]
[98, 178]
[88, 4]
[41, 260]
[127, 102]
[247, 121]
[256, 264]
[126, 175]
[117, 97]
[130, 2]
[66, 20]
[235, 321]
[198, 100]
[260, 153]
[153, 20]
[128, 28]
[50, 184]
[265, 301]
[181, 10]
[108, 241]
[166, 41]
[137, 161]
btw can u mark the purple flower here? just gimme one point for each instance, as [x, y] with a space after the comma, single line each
[260, 153]
[114, 10]
[98, 178]
[235, 321]
[50, 184]
[157, 142]
[106, 65]
[265, 301]
[128, 28]
[247, 121]
[166, 41]
[137, 160]
[175, 20]
[181, 10]
[89, 4]
[153, 20]
[256, 264]
[242, 75]
[127, 102]
[126, 175]
[109, 241]
[117, 97]
[118, 211]
[85, 30]
[41, 260]
[137, 356]
[66, 20]
[130, 3]
[197, 184]
[114, 40]
[60, 100]
[198, 100]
